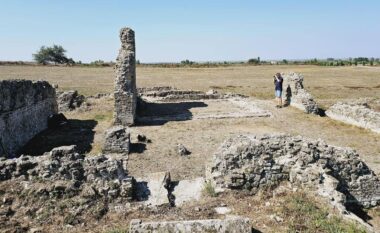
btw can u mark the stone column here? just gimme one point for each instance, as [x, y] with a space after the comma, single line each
[125, 82]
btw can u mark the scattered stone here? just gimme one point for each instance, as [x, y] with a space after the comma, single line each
[232, 224]
[296, 95]
[222, 210]
[24, 110]
[117, 140]
[141, 138]
[69, 100]
[125, 83]
[211, 92]
[356, 113]
[182, 151]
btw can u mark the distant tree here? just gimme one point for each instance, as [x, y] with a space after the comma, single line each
[54, 54]
[255, 61]
[330, 59]
[137, 62]
[187, 62]
[285, 61]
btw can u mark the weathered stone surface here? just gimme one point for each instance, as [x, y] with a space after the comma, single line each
[69, 100]
[188, 190]
[125, 84]
[117, 140]
[71, 173]
[232, 224]
[356, 113]
[24, 110]
[296, 95]
[153, 189]
[253, 162]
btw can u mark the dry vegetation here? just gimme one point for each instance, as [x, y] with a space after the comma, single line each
[202, 137]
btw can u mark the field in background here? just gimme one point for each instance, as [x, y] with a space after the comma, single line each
[327, 84]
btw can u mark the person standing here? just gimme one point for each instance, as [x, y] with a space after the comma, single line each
[278, 80]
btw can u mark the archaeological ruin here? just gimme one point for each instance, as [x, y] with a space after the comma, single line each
[356, 112]
[25, 107]
[249, 162]
[295, 94]
[85, 187]
[125, 93]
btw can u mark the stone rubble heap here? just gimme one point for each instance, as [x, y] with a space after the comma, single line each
[70, 172]
[25, 107]
[254, 162]
[356, 113]
[69, 100]
[295, 95]
[232, 224]
[125, 83]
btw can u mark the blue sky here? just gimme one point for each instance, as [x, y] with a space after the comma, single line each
[200, 30]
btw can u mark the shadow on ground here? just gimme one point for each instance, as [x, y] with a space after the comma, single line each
[161, 113]
[74, 132]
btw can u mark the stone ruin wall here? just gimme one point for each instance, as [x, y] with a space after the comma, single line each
[356, 113]
[24, 110]
[125, 83]
[295, 95]
[253, 162]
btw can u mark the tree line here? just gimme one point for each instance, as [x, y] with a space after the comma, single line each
[56, 54]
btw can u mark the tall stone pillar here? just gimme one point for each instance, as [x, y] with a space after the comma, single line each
[125, 82]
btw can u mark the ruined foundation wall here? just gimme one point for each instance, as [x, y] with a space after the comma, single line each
[125, 83]
[356, 113]
[24, 110]
[254, 162]
[295, 95]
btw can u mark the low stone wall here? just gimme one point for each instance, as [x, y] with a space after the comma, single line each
[24, 110]
[357, 113]
[173, 94]
[96, 176]
[295, 95]
[252, 162]
[229, 225]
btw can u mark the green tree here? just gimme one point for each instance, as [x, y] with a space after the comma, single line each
[54, 54]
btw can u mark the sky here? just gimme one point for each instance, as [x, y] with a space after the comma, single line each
[198, 30]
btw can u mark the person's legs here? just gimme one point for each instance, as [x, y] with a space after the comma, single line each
[278, 98]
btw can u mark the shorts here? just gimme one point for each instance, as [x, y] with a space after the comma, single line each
[278, 93]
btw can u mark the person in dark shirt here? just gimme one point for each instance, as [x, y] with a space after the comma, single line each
[278, 89]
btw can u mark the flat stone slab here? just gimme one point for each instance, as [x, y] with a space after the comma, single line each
[188, 190]
[232, 224]
[151, 189]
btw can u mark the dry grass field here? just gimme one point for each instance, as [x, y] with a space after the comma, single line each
[202, 137]
[327, 84]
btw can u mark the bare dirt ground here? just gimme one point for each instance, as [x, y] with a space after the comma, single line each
[203, 136]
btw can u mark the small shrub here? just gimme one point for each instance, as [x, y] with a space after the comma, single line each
[209, 190]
